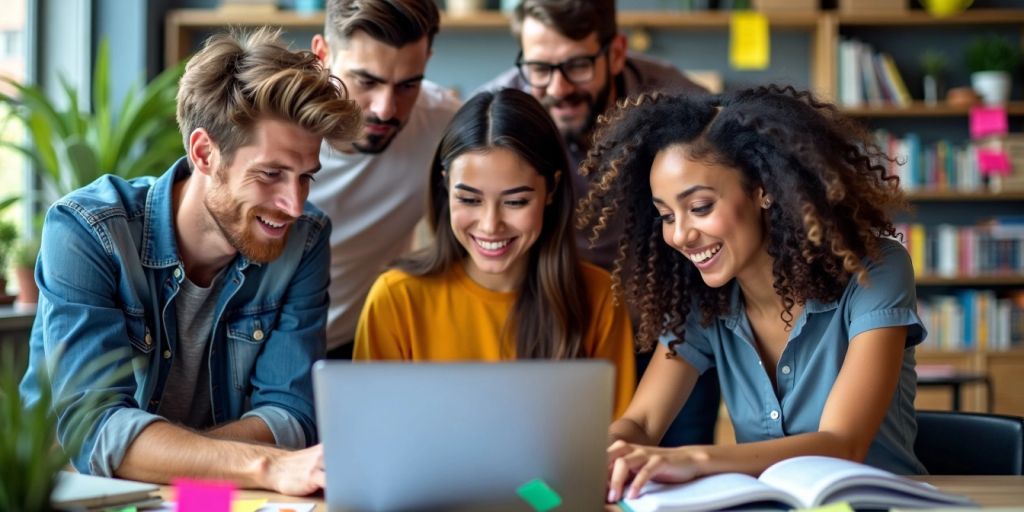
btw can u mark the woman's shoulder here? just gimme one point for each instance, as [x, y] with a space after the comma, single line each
[594, 274]
[398, 280]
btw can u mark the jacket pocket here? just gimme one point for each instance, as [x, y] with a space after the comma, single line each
[246, 334]
[138, 333]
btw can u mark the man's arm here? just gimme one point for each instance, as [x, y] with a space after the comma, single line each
[163, 451]
[251, 429]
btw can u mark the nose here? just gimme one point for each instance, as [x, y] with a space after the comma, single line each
[684, 235]
[383, 105]
[559, 87]
[291, 197]
[491, 221]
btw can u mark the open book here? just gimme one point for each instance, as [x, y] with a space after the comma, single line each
[799, 482]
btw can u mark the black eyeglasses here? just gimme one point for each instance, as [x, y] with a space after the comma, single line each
[578, 70]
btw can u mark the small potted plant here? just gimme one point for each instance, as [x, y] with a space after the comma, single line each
[992, 60]
[24, 261]
[934, 64]
[8, 237]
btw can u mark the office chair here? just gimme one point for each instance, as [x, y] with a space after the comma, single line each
[965, 443]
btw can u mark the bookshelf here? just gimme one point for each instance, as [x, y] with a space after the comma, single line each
[823, 30]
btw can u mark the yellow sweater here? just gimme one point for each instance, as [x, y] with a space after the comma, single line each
[451, 318]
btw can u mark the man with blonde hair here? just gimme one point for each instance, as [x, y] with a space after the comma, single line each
[375, 189]
[208, 284]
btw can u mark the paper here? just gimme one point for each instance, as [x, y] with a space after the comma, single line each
[170, 506]
[835, 507]
[748, 41]
[203, 496]
[987, 121]
[994, 161]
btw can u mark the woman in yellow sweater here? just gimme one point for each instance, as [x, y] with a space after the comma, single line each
[502, 279]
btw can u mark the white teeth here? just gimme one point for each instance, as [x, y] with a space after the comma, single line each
[491, 246]
[703, 256]
[271, 224]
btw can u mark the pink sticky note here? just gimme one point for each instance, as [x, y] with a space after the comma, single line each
[988, 121]
[203, 496]
[993, 161]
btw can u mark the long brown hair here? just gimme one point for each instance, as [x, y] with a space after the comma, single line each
[550, 309]
[831, 196]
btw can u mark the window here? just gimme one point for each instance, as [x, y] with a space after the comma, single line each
[14, 64]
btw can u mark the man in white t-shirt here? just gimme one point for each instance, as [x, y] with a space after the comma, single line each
[375, 190]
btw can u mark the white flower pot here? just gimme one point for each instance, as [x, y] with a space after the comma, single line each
[465, 7]
[992, 86]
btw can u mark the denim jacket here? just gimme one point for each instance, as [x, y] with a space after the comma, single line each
[108, 272]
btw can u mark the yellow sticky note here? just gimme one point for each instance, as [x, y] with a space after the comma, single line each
[247, 505]
[842, 506]
[748, 40]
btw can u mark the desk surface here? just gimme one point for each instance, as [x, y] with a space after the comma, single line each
[987, 491]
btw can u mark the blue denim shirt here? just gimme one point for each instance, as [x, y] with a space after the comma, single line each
[812, 359]
[108, 272]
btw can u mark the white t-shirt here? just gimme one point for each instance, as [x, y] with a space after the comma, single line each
[374, 202]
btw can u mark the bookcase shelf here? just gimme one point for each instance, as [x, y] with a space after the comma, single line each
[937, 196]
[984, 281]
[920, 109]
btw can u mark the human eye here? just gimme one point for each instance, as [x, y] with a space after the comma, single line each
[409, 87]
[702, 208]
[269, 173]
[467, 200]
[666, 218]
[308, 178]
[538, 69]
[517, 203]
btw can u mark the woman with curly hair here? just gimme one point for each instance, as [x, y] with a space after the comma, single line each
[759, 243]
[501, 280]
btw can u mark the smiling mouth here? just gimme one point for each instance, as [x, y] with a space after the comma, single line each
[272, 225]
[705, 255]
[492, 245]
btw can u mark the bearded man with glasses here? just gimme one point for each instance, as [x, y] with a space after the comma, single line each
[573, 59]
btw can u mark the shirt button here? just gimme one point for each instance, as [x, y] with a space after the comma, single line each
[774, 415]
[167, 354]
[257, 334]
[177, 273]
[786, 370]
[149, 339]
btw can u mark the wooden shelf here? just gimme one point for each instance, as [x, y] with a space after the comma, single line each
[982, 281]
[921, 18]
[708, 19]
[924, 196]
[919, 109]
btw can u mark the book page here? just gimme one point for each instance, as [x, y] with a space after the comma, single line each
[708, 493]
[816, 480]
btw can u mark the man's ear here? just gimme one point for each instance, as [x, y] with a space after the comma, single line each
[322, 50]
[201, 151]
[617, 53]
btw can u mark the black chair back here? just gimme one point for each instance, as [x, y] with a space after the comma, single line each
[965, 443]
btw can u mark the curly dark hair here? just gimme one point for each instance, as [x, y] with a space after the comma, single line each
[831, 196]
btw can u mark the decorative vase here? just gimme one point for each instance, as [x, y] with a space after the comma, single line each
[992, 86]
[465, 7]
[28, 292]
[932, 91]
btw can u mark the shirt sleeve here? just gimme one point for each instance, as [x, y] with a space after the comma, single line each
[378, 334]
[696, 347]
[282, 379]
[613, 340]
[889, 296]
[81, 339]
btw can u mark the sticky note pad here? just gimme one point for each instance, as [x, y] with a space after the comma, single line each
[834, 507]
[993, 161]
[748, 40]
[987, 121]
[247, 505]
[539, 495]
[203, 496]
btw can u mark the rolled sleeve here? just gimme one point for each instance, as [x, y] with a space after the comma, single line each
[113, 438]
[889, 296]
[695, 349]
[287, 430]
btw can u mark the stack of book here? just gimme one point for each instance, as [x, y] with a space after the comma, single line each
[869, 78]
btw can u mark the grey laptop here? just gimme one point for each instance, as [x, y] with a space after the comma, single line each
[444, 436]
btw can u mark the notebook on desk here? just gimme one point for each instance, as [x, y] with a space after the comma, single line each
[75, 491]
[420, 436]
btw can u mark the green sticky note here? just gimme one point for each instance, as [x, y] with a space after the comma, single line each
[539, 495]
[842, 506]
[125, 509]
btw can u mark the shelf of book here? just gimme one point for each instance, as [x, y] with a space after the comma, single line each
[1009, 279]
[921, 18]
[921, 109]
[927, 196]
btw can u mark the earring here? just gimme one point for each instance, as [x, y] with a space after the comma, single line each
[766, 203]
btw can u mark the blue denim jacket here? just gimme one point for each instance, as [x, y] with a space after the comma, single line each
[108, 272]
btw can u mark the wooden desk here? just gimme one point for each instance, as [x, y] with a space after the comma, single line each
[987, 491]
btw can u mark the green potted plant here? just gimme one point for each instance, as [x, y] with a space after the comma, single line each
[992, 60]
[24, 261]
[933, 63]
[72, 145]
[8, 237]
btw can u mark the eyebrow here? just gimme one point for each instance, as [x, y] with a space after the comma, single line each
[508, 192]
[274, 164]
[684, 194]
[370, 76]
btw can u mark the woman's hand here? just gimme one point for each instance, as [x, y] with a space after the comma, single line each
[644, 463]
